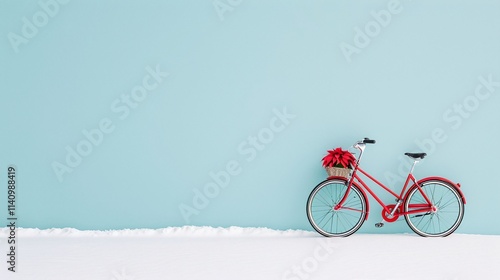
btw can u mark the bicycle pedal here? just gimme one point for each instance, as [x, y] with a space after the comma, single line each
[379, 225]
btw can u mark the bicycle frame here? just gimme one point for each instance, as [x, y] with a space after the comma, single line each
[389, 208]
[394, 210]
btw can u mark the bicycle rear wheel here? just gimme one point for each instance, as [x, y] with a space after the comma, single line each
[446, 216]
[336, 223]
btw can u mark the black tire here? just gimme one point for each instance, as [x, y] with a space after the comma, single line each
[335, 223]
[447, 216]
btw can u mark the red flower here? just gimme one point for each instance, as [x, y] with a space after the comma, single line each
[339, 158]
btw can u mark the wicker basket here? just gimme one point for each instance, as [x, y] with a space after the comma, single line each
[336, 171]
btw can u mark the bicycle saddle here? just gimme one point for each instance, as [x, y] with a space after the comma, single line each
[416, 155]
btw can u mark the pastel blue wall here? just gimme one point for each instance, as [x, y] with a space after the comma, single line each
[252, 92]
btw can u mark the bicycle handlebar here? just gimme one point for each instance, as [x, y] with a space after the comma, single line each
[361, 147]
[368, 141]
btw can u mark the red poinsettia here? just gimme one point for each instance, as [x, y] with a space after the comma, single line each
[339, 158]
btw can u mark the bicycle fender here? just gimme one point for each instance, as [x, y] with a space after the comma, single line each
[360, 188]
[436, 178]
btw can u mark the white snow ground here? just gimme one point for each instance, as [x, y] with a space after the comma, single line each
[246, 253]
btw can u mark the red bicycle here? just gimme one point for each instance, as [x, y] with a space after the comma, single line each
[432, 206]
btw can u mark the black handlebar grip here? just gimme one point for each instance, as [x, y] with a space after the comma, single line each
[368, 141]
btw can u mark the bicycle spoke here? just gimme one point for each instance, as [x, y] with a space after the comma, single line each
[324, 200]
[339, 195]
[448, 203]
[324, 216]
[426, 225]
[336, 225]
[432, 193]
[433, 224]
[331, 195]
[343, 221]
[351, 214]
[351, 203]
[438, 217]
[446, 219]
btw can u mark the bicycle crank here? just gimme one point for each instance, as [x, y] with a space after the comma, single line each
[387, 215]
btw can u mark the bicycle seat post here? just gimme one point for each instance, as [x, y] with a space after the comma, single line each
[415, 161]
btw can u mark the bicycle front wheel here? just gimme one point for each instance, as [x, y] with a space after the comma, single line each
[327, 220]
[446, 213]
